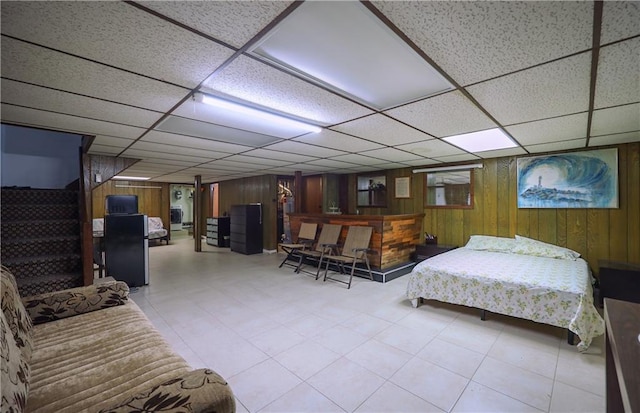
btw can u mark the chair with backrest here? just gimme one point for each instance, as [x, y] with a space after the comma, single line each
[354, 251]
[328, 238]
[306, 236]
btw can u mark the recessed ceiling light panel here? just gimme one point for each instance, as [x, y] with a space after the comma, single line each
[486, 140]
[346, 48]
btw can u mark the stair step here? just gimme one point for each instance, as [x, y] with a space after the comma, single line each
[32, 247]
[39, 228]
[21, 212]
[30, 196]
[25, 267]
[47, 283]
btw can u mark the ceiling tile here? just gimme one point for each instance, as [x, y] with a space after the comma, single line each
[615, 139]
[45, 67]
[474, 41]
[391, 154]
[68, 103]
[112, 141]
[422, 162]
[616, 120]
[196, 128]
[281, 156]
[155, 165]
[444, 115]
[105, 150]
[618, 80]
[432, 148]
[67, 123]
[358, 159]
[155, 47]
[200, 111]
[303, 148]
[191, 142]
[254, 81]
[554, 89]
[249, 160]
[331, 163]
[557, 146]
[619, 20]
[501, 152]
[177, 149]
[391, 165]
[170, 159]
[382, 129]
[187, 160]
[550, 130]
[234, 166]
[233, 22]
[308, 167]
[457, 158]
[337, 140]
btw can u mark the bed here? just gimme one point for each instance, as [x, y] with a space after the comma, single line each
[518, 277]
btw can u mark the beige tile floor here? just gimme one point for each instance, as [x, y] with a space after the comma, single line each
[288, 343]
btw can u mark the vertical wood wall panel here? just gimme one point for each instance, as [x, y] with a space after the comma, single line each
[257, 189]
[476, 215]
[618, 217]
[594, 233]
[548, 226]
[503, 201]
[490, 196]
[633, 199]
[577, 230]
[561, 230]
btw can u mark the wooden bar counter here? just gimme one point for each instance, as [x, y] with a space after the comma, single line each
[394, 237]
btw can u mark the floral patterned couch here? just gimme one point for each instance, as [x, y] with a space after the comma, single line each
[92, 349]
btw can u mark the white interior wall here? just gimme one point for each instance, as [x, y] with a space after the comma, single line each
[37, 158]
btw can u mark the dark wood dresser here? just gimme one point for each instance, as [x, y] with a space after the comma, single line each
[619, 280]
[622, 321]
[424, 251]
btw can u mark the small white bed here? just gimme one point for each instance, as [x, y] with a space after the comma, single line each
[517, 277]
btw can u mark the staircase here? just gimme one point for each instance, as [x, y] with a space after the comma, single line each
[40, 239]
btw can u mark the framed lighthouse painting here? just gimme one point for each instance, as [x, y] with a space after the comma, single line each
[587, 179]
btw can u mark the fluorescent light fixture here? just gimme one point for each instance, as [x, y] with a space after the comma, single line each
[256, 113]
[131, 178]
[344, 47]
[486, 140]
[449, 168]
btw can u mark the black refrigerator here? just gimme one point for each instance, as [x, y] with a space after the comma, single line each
[126, 248]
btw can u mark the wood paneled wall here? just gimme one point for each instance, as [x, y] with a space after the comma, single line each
[595, 233]
[153, 198]
[262, 189]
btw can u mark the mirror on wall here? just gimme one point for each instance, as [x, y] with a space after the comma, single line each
[450, 189]
[372, 190]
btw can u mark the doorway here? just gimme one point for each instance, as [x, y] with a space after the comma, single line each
[181, 207]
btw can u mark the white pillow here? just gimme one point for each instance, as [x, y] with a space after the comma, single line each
[528, 246]
[490, 243]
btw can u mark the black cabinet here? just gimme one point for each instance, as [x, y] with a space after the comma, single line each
[218, 230]
[619, 280]
[425, 251]
[246, 228]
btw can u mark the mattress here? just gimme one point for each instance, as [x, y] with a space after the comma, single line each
[552, 291]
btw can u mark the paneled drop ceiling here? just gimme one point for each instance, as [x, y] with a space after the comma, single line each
[552, 75]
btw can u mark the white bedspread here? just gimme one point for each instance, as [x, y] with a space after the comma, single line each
[546, 290]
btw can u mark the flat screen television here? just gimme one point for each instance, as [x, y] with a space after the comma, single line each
[121, 204]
